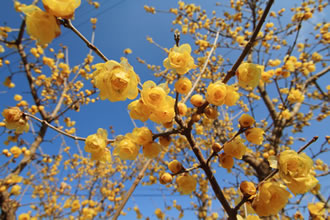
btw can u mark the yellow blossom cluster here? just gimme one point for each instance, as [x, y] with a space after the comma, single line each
[127, 147]
[219, 93]
[155, 104]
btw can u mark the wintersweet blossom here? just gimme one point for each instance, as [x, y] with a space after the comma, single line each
[175, 166]
[126, 148]
[165, 178]
[142, 135]
[61, 8]
[247, 188]
[96, 145]
[246, 121]
[186, 184]
[179, 59]
[255, 135]
[226, 161]
[216, 93]
[295, 170]
[183, 85]
[116, 81]
[270, 199]
[248, 75]
[235, 148]
[40, 25]
[232, 96]
[139, 111]
[154, 96]
[295, 96]
[14, 120]
[151, 149]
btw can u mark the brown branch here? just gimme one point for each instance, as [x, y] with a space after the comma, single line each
[67, 23]
[249, 45]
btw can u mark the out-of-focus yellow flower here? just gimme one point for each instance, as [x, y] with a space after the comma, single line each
[197, 100]
[41, 25]
[116, 81]
[16, 151]
[16, 190]
[295, 96]
[128, 51]
[226, 161]
[179, 59]
[216, 93]
[316, 209]
[139, 111]
[14, 120]
[186, 184]
[295, 170]
[88, 213]
[24, 216]
[183, 85]
[61, 8]
[165, 178]
[235, 148]
[126, 148]
[175, 166]
[248, 75]
[232, 96]
[75, 205]
[270, 199]
[255, 135]
[182, 108]
[247, 188]
[142, 135]
[151, 149]
[246, 121]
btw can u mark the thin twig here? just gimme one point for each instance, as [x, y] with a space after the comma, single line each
[59, 130]
[67, 23]
[131, 190]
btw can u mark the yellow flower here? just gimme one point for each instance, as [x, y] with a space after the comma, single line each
[183, 85]
[197, 100]
[139, 111]
[165, 178]
[175, 166]
[96, 143]
[254, 135]
[182, 108]
[75, 205]
[235, 148]
[226, 161]
[179, 59]
[295, 170]
[16, 190]
[14, 120]
[186, 184]
[103, 156]
[316, 209]
[61, 8]
[142, 135]
[116, 81]
[126, 148]
[24, 216]
[247, 188]
[165, 112]
[151, 149]
[41, 25]
[270, 199]
[248, 75]
[216, 93]
[232, 96]
[295, 96]
[154, 96]
[16, 151]
[246, 121]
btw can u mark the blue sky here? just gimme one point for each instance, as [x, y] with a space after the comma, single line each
[124, 24]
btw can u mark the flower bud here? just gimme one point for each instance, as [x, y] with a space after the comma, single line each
[175, 166]
[165, 178]
[182, 108]
[216, 147]
[195, 117]
[165, 140]
[247, 188]
[210, 112]
[246, 121]
[197, 100]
